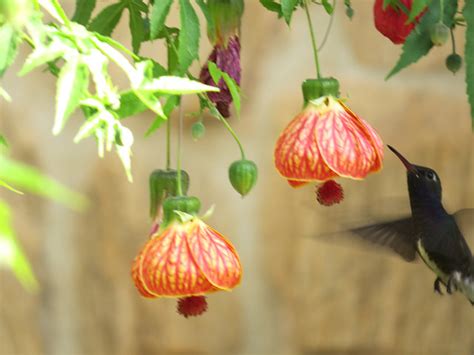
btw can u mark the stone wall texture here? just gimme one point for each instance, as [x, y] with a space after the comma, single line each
[303, 292]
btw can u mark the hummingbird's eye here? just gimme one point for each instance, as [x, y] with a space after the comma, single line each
[430, 175]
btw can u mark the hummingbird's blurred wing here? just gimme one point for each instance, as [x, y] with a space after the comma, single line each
[465, 221]
[397, 235]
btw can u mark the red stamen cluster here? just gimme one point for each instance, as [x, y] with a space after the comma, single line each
[192, 306]
[329, 193]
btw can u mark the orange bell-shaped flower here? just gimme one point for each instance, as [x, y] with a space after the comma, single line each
[186, 259]
[326, 140]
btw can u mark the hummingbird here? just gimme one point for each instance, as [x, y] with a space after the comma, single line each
[430, 232]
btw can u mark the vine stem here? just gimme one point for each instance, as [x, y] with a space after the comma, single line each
[231, 131]
[441, 10]
[328, 29]
[178, 153]
[168, 144]
[313, 38]
[453, 42]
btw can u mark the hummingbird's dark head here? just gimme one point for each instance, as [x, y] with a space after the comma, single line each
[422, 181]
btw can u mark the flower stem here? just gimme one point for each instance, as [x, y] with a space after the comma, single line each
[453, 41]
[178, 153]
[313, 38]
[441, 10]
[229, 128]
[328, 29]
[168, 144]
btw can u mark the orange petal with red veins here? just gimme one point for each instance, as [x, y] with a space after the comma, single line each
[215, 256]
[296, 184]
[344, 144]
[137, 279]
[297, 156]
[377, 143]
[168, 268]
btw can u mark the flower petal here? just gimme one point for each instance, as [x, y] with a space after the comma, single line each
[296, 183]
[168, 269]
[344, 144]
[215, 256]
[376, 140]
[137, 278]
[297, 156]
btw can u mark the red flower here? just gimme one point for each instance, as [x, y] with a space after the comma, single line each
[392, 21]
[327, 140]
[186, 259]
[227, 58]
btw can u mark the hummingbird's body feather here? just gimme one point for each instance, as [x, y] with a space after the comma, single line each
[435, 235]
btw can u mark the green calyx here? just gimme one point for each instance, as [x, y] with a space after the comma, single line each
[225, 16]
[164, 183]
[243, 176]
[186, 204]
[315, 88]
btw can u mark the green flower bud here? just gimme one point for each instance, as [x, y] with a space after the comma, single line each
[164, 183]
[186, 204]
[349, 12]
[454, 62]
[197, 130]
[243, 176]
[439, 34]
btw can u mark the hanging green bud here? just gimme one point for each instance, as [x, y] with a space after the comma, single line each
[243, 176]
[439, 34]
[187, 204]
[224, 16]
[164, 183]
[454, 62]
[197, 130]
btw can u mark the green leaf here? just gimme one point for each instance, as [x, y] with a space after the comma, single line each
[215, 72]
[175, 85]
[188, 49]
[72, 84]
[30, 179]
[5, 95]
[416, 8]
[11, 253]
[287, 9]
[418, 43]
[328, 7]
[468, 13]
[107, 19]
[234, 91]
[43, 55]
[272, 6]
[130, 104]
[3, 141]
[83, 11]
[211, 26]
[169, 106]
[8, 47]
[5, 185]
[150, 101]
[137, 27]
[159, 12]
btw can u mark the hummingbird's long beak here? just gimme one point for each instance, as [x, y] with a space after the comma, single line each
[410, 167]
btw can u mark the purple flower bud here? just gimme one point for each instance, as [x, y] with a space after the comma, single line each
[227, 59]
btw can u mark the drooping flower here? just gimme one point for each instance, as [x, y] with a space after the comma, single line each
[185, 259]
[392, 21]
[223, 32]
[326, 140]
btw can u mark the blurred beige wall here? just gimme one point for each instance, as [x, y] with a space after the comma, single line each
[299, 295]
